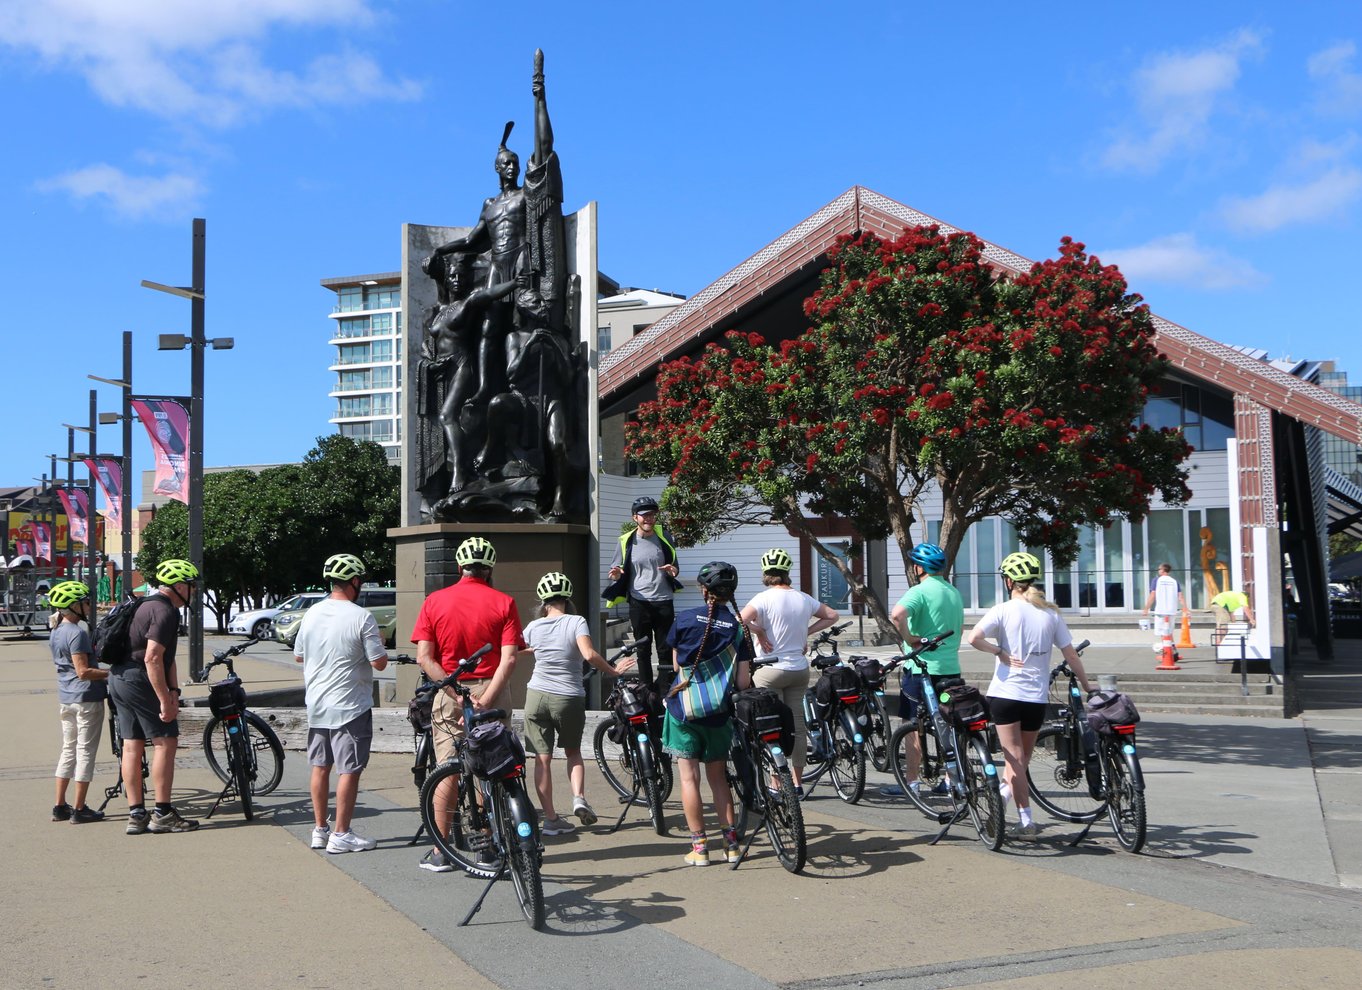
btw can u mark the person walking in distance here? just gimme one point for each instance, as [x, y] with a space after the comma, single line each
[643, 573]
[81, 691]
[453, 624]
[779, 620]
[146, 691]
[340, 647]
[1166, 599]
[555, 700]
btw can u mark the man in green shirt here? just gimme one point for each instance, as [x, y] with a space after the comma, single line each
[931, 607]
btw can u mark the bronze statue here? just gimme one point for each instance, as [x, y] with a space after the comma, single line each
[501, 362]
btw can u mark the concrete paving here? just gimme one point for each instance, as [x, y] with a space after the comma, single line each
[1254, 840]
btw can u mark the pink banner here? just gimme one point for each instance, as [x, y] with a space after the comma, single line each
[77, 505]
[167, 424]
[108, 471]
[23, 548]
[42, 540]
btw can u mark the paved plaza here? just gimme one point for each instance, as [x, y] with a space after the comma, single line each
[1249, 879]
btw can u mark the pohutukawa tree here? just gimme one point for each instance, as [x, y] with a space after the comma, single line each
[1017, 397]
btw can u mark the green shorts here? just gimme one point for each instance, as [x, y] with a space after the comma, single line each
[553, 715]
[696, 742]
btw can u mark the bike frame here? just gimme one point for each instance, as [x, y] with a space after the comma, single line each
[236, 728]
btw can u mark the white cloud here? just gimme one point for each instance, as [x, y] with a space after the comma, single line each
[1176, 94]
[201, 61]
[1178, 259]
[1341, 86]
[170, 196]
[1280, 205]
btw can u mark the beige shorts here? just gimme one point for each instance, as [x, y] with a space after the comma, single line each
[446, 717]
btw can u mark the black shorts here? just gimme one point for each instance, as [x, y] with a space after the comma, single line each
[139, 710]
[1007, 711]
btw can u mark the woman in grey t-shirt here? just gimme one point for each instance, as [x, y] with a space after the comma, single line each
[555, 701]
[80, 693]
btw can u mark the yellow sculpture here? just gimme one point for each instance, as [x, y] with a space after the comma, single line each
[1208, 562]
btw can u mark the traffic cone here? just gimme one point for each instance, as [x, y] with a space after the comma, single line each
[1185, 643]
[1169, 657]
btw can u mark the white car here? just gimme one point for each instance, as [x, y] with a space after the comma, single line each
[258, 623]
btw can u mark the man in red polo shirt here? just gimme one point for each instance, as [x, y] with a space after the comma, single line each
[453, 624]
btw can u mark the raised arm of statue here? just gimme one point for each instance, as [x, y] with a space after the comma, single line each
[543, 129]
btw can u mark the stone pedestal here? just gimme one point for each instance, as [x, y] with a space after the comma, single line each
[525, 553]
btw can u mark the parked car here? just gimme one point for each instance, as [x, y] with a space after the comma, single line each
[382, 603]
[257, 623]
[284, 628]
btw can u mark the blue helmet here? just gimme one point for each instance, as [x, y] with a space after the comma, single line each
[930, 557]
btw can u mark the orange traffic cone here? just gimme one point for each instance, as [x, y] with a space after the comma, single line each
[1169, 657]
[1185, 643]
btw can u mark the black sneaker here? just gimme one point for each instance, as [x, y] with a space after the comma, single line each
[170, 821]
[61, 812]
[81, 816]
[435, 862]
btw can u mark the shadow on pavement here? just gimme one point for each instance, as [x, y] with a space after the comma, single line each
[1245, 742]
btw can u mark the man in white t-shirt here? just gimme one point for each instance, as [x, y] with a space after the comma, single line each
[1166, 599]
[340, 647]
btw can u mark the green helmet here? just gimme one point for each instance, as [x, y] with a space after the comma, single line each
[476, 550]
[342, 567]
[1021, 566]
[67, 594]
[555, 584]
[174, 571]
[776, 559]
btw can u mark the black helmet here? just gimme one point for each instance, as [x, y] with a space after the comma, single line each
[718, 577]
[644, 503]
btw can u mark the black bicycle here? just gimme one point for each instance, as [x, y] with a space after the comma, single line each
[1076, 773]
[116, 743]
[760, 775]
[240, 746]
[628, 746]
[957, 777]
[422, 744]
[495, 827]
[836, 716]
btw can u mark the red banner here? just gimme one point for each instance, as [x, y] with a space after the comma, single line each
[167, 424]
[42, 540]
[77, 505]
[23, 548]
[108, 471]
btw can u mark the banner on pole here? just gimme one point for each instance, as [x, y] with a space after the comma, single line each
[42, 540]
[167, 424]
[77, 504]
[108, 472]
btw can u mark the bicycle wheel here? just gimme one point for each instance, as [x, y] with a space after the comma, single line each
[740, 798]
[847, 768]
[982, 790]
[465, 837]
[784, 818]
[618, 770]
[1125, 801]
[650, 778]
[267, 752]
[877, 738]
[516, 819]
[1055, 785]
[242, 773]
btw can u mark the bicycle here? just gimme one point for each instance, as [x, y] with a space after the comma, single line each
[957, 776]
[1076, 774]
[873, 676]
[423, 745]
[641, 773]
[240, 746]
[837, 732]
[762, 734]
[495, 827]
[116, 743]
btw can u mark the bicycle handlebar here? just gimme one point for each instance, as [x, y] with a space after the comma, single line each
[926, 646]
[224, 658]
[462, 667]
[1063, 667]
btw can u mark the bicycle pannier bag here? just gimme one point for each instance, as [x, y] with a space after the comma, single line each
[111, 642]
[871, 673]
[962, 705]
[763, 712]
[227, 697]
[419, 711]
[1111, 708]
[835, 683]
[631, 702]
[493, 751]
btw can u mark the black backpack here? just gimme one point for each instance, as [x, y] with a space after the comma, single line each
[111, 642]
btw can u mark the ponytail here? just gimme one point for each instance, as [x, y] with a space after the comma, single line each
[1034, 596]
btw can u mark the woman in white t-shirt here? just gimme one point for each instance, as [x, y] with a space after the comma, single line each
[555, 700]
[1024, 630]
[779, 620]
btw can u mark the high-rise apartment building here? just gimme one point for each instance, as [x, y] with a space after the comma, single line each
[367, 336]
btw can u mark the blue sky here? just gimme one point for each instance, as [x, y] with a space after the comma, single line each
[1210, 149]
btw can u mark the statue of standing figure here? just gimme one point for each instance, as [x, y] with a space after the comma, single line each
[500, 359]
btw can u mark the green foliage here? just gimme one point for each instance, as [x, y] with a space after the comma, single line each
[1017, 397]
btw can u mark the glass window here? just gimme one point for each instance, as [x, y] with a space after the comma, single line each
[1167, 542]
[1113, 563]
[1087, 567]
[986, 559]
[603, 339]
[380, 323]
[381, 350]
[1140, 576]
[353, 354]
[383, 404]
[350, 299]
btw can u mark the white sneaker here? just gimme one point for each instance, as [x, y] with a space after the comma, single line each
[320, 835]
[349, 842]
[558, 826]
[583, 811]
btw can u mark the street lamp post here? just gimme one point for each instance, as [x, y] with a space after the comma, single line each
[124, 496]
[196, 342]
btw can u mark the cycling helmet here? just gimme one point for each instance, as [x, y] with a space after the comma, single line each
[1021, 566]
[67, 594]
[174, 571]
[776, 559]
[644, 503]
[930, 557]
[719, 577]
[555, 584]
[343, 567]
[476, 550]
